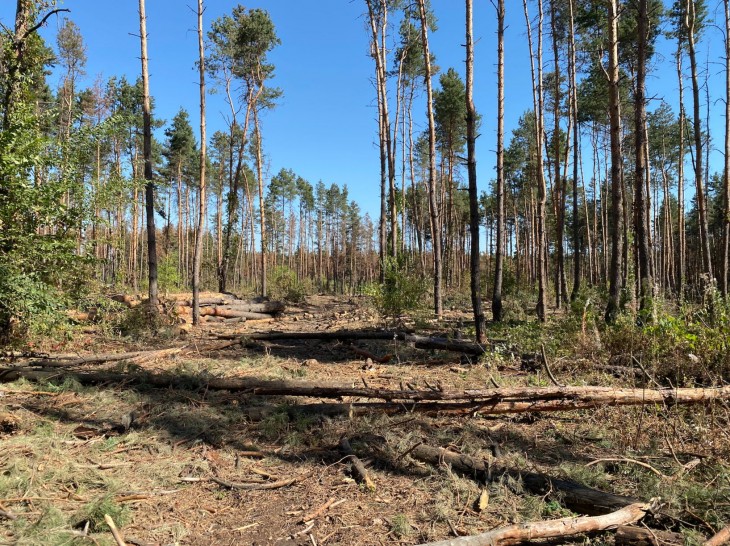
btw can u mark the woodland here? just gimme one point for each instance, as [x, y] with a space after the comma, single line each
[194, 350]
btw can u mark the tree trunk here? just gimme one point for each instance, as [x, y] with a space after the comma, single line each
[471, 137]
[641, 224]
[262, 216]
[577, 246]
[499, 247]
[615, 284]
[203, 158]
[539, 107]
[705, 250]
[149, 187]
[726, 190]
[432, 194]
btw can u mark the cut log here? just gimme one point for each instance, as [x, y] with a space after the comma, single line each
[228, 312]
[627, 535]
[578, 498]
[559, 528]
[269, 307]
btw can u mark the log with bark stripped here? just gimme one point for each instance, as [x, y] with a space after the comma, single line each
[559, 528]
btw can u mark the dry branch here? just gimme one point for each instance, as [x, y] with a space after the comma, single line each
[358, 469]
[627, 535]
[578, 498]
[259, 486]
[527, 532]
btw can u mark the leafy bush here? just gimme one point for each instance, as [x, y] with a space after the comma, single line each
[402, 290]
[284, 285]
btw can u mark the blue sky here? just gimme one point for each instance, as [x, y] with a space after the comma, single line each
[325, 125]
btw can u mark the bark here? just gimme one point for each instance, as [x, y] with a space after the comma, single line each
[641, 224]
[577, 247]
[527, 532]
[725, 264]
[432, 192]
[499, 246]
[538, 104]
[705, 250]
[681, 261]
[150, 186]
[576, 497]
[471, 138]
[617, 242]
[722, 537]
[262, 216]
[197, 257]
[358, 469]
[627, 535]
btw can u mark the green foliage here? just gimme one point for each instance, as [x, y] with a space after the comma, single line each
[400, 526]
[94, 513]
[402, 290]
[168, 275]
[284, 285]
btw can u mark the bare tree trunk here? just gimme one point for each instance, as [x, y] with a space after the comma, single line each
[681, 243]
[538, 102]
[640, 197]
[615, 284]
[726, 190]
[433, 205]
[577, 247]
[260, 175]
[499, 247]
[149, 187]
[471, 137]
[202, 201]
[705, 250]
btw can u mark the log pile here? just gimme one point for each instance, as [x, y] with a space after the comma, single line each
[214, 307]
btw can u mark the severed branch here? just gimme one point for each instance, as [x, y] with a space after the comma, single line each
[260, 486]
[358, 469]
[42, 22]
[559, 528]
[722, 537]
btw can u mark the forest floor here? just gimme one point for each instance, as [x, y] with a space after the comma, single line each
[69, 454]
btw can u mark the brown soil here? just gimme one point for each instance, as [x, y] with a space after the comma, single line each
[147, 456]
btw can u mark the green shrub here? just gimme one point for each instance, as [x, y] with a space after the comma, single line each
[284, 285]
[402, 290]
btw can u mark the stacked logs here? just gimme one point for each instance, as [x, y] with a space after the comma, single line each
[225, 308]
[214, 307]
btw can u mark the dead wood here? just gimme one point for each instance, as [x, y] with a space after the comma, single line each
[484, 401]
[259, 486]
[318, 512]
[137, 356]
[580, 499]
[627, 535]
[527, 532]
[252, 385]
[358, 469]
[420, 342]
[723, 537]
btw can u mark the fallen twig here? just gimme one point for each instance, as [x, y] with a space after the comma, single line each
[632, 461]
[260, 486]
[318, 512]
[720, 538]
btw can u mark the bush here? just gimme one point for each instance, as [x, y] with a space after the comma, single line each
[284, 285]
[402, 290]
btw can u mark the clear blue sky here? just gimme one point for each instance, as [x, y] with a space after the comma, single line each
[325, 125]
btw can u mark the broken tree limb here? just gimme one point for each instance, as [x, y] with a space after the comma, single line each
[260, 486]
[358, 469]
[578, 498]
[558, 528]
[628, 535]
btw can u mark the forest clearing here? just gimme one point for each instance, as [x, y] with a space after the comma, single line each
[200, 345]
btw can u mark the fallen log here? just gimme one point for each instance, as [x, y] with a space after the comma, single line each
[269, 307]
[484, 401]
[251, 385]
[627, 535]
[580, 499]
[558, 528]
[136, 356]
[421, 342]
[227, 312]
